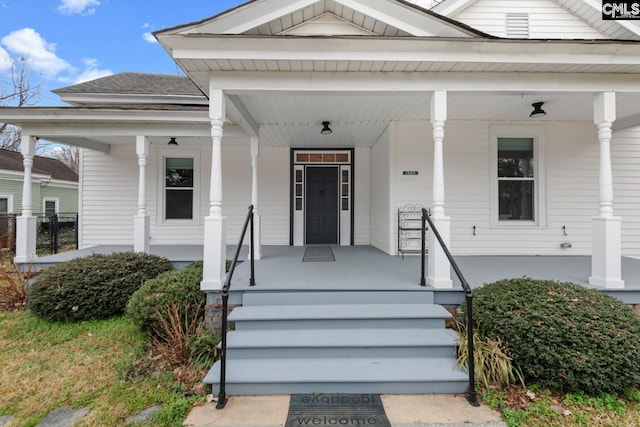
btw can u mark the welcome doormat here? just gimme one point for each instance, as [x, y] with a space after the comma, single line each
[318, 254]
[335, 410]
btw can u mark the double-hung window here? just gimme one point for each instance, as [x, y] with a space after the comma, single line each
[518, 178]
[179, 188]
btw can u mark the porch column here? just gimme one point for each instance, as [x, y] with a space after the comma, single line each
[439, 269]
[215, 250]
[606, 250]
[255, 154]
[26, 222]
[142, 221]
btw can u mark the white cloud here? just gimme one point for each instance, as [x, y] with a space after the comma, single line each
[148, 37]
[91, 71]
[85, 7]
[39, 54]
[5, 60]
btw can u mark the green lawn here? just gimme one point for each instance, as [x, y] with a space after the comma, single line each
[101, 364]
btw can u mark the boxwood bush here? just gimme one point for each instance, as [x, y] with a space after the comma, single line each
[155, 296]
[94, 287]
[561, 335]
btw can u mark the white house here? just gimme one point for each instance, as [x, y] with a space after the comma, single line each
[418, 103]
[517, 123]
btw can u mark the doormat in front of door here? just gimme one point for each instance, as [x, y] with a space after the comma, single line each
[318, 254]
[335, 410]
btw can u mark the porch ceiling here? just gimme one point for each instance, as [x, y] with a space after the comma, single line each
[294, 119]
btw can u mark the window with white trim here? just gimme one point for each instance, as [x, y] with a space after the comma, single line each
[518, 177]
[6, 204]
[179, 186]
[50, 206]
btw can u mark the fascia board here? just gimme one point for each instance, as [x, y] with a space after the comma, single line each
[423, 49]
[86, 98]
[28, 115]
[404, 18]
[247, 17]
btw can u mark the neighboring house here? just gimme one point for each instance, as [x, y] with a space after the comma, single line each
[54, 190]
[418, 103]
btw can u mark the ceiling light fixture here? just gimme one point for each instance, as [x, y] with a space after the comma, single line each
[326, 130]
[537, 110]
[172, 141]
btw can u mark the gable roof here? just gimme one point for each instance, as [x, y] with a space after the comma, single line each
[12, 160]
[394, 18]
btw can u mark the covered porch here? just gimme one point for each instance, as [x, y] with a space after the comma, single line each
[365, 268]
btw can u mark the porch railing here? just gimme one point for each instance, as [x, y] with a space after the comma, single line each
[222, 396]
[472, 397]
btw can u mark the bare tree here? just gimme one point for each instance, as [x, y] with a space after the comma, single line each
[67, 155]
[18, 90]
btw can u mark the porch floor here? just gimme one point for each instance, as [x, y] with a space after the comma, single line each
[367, 268]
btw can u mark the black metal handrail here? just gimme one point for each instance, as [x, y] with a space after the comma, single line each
[472, 397]
[222, 396]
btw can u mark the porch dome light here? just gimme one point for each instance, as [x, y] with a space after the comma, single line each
[172, 141]
[326, 130]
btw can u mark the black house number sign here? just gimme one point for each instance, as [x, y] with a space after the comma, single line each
[409, 172]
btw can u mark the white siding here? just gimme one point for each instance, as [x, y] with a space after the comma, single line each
[274, 194]
[381, 194]
[547, 20]
[625, 158]
[362, 196]
[109, 195]
[571, 186]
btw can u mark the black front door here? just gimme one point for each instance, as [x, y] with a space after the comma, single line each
[322, 205]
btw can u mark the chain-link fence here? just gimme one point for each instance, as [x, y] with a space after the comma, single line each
[54, 233]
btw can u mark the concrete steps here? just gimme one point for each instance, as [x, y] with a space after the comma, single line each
[340, 342]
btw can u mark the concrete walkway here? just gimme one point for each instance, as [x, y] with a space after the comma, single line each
[402, 410]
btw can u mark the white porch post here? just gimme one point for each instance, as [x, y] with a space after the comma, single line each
[142, 221]
[26, 222]
[606, 251]
[215, 250]
[439, 269]
[255, 154]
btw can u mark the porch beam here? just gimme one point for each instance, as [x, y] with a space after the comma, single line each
[142, 221]
[239, 82]
[463, 50]
[606, 258]
[214, 256]
[26, 222]
[439, 267]
[247, 122]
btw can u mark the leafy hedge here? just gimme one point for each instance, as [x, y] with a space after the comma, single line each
[155, 296]
[561, 335]
[94, 287]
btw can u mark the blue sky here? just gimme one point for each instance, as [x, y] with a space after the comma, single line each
[70, 41]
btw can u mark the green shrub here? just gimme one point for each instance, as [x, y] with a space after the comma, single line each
[94, 287]
[181, 287]
[561, 335]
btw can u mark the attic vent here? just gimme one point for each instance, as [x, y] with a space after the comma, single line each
[518, 25]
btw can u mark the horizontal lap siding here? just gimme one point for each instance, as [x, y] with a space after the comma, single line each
[571, 165]
[362, 196]
[625, 158]
[381, 195]
[109, 193]
[547, 20]
[274, 191]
